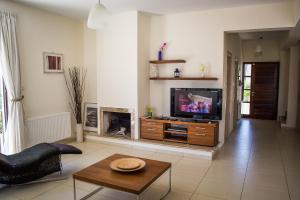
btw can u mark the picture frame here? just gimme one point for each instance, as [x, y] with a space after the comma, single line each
[53, 62]
[90, 122]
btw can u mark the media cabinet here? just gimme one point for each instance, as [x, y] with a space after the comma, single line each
[196, 133]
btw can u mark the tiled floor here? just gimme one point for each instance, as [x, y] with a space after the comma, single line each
[259, 162]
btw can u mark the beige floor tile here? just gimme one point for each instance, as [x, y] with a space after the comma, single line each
[192, 166]
[29, 191]
[225, 173]
[81, 185]
[183, 182]
[113, 195]
[6, 196]
[258, 153]
[220, 189]
[270, 180]
[62, 192]
[294, 185]
[166, 157]
[263, 193]
[204, 197]
[176, 195]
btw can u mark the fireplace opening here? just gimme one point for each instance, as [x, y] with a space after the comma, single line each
[118, 124]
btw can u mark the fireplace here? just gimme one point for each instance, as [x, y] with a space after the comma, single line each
[117, 122]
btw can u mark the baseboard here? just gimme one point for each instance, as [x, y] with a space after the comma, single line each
[285, 126]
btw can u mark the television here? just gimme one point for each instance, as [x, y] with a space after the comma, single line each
[198, 103]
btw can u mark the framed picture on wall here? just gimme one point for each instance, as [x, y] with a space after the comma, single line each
[53, 62]
[90, 117]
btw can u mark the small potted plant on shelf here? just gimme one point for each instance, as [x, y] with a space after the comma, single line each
[202, 70]
[75, 81]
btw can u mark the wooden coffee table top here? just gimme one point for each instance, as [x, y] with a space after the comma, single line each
[133, 182]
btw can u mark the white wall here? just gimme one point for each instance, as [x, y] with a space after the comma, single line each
[143, 62]
[198, 37]
[40, 31]
[117, 63]
[271, 50]
[293, 86]
[296, 10]
[90, 63]
[283, 82]
[233, 45]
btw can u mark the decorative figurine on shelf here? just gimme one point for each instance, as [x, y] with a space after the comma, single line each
[176, 73]
[202, 70]
[161, 51]
[150, 111]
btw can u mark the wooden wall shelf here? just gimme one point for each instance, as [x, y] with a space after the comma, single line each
[186, 78]
[166, 61]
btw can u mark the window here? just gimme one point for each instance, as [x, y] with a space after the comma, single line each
[246, 93]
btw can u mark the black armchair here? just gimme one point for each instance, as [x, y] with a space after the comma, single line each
[33, 163]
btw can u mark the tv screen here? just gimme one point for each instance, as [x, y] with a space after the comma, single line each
[193, 103]
[196, 102]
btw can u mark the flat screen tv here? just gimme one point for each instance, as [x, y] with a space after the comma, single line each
[198, 103]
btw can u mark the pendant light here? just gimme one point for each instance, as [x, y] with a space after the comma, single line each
[259, 49]
[98, 17]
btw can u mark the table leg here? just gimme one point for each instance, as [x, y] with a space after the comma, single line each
[74, 188]
[170, 184]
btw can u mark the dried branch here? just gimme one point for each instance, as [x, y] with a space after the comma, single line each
[75, 81]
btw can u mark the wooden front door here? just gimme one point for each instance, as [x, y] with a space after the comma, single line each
[263, 91]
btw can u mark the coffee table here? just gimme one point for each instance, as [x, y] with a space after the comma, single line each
[135, 183]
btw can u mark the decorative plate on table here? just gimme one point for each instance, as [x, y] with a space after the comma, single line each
[127, 164]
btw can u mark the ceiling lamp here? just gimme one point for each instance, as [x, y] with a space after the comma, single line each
[98, 17]
[259, 49]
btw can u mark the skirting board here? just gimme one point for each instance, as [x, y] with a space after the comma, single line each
[189, 152]
[285, 126]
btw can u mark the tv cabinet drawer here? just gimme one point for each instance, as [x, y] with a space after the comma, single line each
[152, 126]
[201, 139]
[152, 135]
[201, 129]
[154, 129]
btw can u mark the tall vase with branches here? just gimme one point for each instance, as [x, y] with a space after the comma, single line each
[75, 81]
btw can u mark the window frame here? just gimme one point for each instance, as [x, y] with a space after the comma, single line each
[247, 89]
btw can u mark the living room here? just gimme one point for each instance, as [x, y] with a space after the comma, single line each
[210, 44]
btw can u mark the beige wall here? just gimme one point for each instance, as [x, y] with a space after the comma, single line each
[271, 50]
[90, 63]
[296, 10]
[118, 63]
[283, 82]
[198, 37]
[40, 31]
[143, 62]
[293, 86]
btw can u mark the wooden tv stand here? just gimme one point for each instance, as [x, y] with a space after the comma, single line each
[197, 133]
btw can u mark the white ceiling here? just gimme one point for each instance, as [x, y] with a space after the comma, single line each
[79, 8]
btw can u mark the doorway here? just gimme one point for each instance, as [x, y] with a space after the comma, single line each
[260, 90]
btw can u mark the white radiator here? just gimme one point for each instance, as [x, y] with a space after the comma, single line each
[50, 128]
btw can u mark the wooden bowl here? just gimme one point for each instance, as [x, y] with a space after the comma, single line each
[127, 164]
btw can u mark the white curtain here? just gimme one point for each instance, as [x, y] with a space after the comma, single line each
[10, 69]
